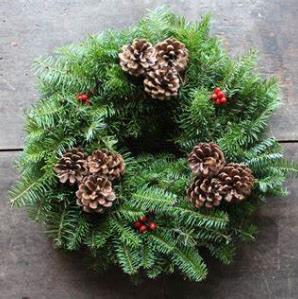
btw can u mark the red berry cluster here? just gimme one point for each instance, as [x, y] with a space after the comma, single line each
[218, 97]
[145, 224]
[83, 98]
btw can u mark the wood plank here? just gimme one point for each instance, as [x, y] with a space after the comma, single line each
[34, 28]
[30, 267]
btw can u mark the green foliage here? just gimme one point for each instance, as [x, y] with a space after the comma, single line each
[154, 138]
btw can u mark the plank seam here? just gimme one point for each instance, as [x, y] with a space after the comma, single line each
[11, 149]
[19, 149]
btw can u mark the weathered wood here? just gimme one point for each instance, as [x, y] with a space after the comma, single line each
[30, 267]
[33, 28]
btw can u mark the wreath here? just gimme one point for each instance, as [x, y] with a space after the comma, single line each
[147, 149]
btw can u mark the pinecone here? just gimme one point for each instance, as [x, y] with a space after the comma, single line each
[95, 194]
[162, 83]
[206, 159]
[237, 181]
[205, 192]
[137, 57]
[72, 166]
[105, 163]
[172, 53]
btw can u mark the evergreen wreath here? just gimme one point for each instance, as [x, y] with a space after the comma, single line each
[147, 148]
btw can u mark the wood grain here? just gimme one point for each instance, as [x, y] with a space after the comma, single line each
[29, 29]
[30, 267]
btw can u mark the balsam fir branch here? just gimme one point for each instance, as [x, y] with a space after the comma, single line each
[121, 117]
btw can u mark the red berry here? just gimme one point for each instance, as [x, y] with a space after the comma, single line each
[137, 224]
[144, 219]
[223, 100]
[152, 226]
[214, 96]
[84, 97]
[143, 229]
[220, 95]
[217, 90]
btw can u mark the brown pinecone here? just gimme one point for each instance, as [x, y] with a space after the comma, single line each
[206, 159]
[162, 83]
[173, 53]
[137, 57]
[237, 181]
[205, 192]
[105, 163]
[95, 194]
[72, 166]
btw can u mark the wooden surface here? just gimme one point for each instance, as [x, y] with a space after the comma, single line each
[29, 266]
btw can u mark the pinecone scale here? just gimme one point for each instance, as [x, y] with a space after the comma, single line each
[95, 194]
[137, 57]
[162, 83]
[237, 181]
[205, 192]
[72, 167]
[173, 53]
[206, 159]
[105, 163]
